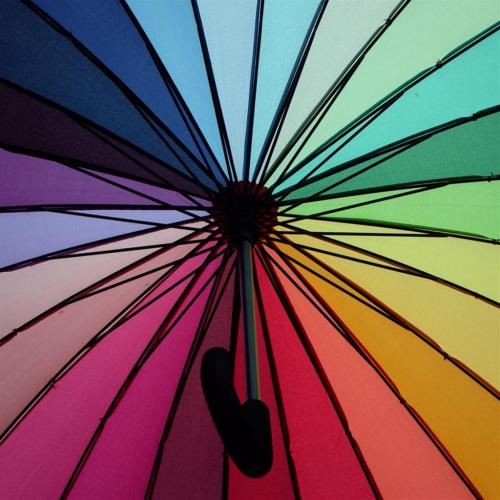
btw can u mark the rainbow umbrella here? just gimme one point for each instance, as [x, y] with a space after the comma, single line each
[310, 187]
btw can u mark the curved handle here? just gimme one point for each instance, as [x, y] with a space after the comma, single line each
[245, 429]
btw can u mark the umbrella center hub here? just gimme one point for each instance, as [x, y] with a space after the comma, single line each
[244, 211]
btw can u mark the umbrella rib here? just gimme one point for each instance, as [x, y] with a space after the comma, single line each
[164, 329]
[195, 203]
[131, 190]
[91, 289]
[401, 267]
[363, 300]
[178, 99]
[285, 432]
[118, 320]
[83, 351]
[98, 131]
[321, 374]
[408, 192]
[329, 314]
[253, 88]
[392, 315]
[331, 96]
[149, 116]
[360, 204]
[395, 149]
[213, 302]
[89, 214]
[424, 231]
[226, 146]
[379, 108]
[286, 100]
[90, 244]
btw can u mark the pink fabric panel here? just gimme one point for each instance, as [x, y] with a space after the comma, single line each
[277, 483]
[43, 286]
[30, 359]
[401, 457]
[121, 462]
[326, 464]
[191, 466]
[39, 456]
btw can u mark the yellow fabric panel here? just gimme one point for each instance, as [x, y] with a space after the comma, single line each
[468, 263]
[466, 328]
[463, 415]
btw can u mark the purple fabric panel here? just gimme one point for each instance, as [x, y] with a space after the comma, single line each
[192, 460]
[34, 126]
[32, 234]
[27, 180]
[162, 194]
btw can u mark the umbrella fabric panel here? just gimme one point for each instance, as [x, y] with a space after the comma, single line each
[153, 217]
[122, 458]
[284, 35]
[464, 326]
[85, 88]
[465, 150]
[459, 261]
[404, 50]
[433, 209]
[229, 28]
[50, 426]
[27, 180]
[37, 233]
[47, 288]
[279, 481]
[460, 87]
[322, 464]
[119, 46]
[401, 457]
[450, 402]
[344, 28]
[172, 30]
[32, 125]
[159, 193]
[192, 455]
[61, 333]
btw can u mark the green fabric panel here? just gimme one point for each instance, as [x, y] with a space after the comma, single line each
[468, 208]
[461, 87]
[470, 149]
[425, 32]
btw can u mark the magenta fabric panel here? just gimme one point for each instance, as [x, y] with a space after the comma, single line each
[27, 180]
[277, 483]
[326, 464]
[121, 462]
[192, 459]
[78, 401]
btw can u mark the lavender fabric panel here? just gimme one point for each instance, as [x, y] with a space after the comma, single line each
[27, 180]
[29, 235]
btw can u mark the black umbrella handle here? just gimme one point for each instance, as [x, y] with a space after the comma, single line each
[245, 429]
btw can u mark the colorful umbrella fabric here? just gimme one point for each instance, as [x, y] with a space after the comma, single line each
[313, 186]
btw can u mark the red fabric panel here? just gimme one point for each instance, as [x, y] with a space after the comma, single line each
[277, 484]
[326, 464]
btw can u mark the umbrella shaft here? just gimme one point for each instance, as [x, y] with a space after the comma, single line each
[249, 323]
